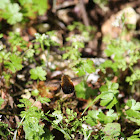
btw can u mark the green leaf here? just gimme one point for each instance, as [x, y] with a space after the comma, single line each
[38, 73]
[109, 64]
[21, 105]
[83, 66]
[15, 63]
[79, 71]
[88, 66]
[112, 129]
[32, 116]
[12, 14]
[80, 90]
[83, 91]
[133, 113]
[30, 53]
[103, 88]
[110, 117]
[108, 94]
[1, 101]
[112, 114]
[3, 3]
[134, 77]
[27, 103]
[110, 87]
[31, 126]
[35, 92]
[134, 137]
[41, 6]
[43, 99]
[133, 104]
[92, 117]
[1, 35]
[114, 86]
[4, 130]
[137, 121]
[4, 56]
[22, 2]
[106, 99]
[137, 131]
[112, 103]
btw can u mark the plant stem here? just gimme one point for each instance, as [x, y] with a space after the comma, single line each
[118, 109]
[48, 48]
[131, 69]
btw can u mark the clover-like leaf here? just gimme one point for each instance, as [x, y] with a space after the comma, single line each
[108, 94]
[133, 113]
[92, 117]
[108, 118]
[12, 13]
[38, 73]
[106, 99]
[133, 104]
[88, 66]
[14, 64]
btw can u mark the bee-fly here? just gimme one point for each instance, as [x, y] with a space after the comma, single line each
[66, 84]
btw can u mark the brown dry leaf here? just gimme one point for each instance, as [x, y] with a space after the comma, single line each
[4, 96]
[37, 103]
[47, 90]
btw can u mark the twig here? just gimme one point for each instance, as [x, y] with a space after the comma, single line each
[10, 114]
[84, 14]
[85, 19]
[65, 5]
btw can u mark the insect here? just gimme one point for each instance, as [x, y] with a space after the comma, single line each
[54, 87]
[66, 84]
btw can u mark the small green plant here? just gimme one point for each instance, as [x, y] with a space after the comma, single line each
[31, 118]
[12, 61]
[16, 41]
[14, 64]
[108, 96]
[85, 33]
[134, 77]
[16, 11]
[30, 7]
[46, 40]
[94, 115]
[70, 125]
[5, 130]
[124, 55]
